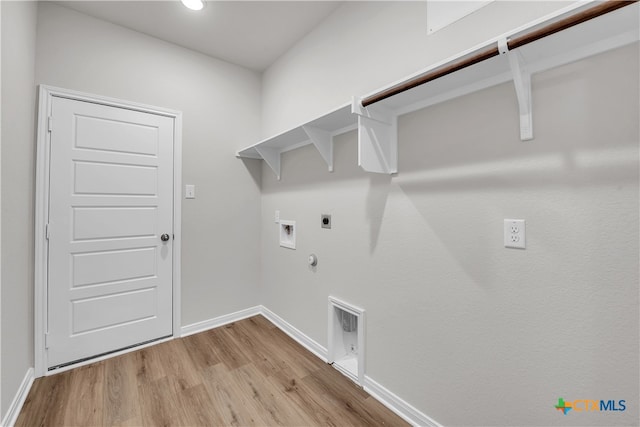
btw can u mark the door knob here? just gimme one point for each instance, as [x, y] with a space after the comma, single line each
[164, 237]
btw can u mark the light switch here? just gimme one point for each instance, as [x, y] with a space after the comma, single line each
[190, 191]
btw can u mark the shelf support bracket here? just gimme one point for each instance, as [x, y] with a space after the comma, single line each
[323, 141]
[377, 138]
[522, 83]
[272, 157]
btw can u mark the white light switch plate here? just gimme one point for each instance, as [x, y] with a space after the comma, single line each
[189, 191]
[514, 234]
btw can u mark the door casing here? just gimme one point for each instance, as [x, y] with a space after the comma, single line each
[45, 96]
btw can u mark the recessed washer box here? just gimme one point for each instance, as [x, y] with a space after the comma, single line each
[287, 234]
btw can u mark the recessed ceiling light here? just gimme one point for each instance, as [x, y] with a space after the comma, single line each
[193, 4]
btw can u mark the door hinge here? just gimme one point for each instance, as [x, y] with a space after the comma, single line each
[46, 340]
[46, 231]
[49, 124]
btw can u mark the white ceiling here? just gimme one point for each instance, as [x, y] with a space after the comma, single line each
[249, 33]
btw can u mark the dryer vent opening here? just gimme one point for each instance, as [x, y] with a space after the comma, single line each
[346, 339]
[348, 321]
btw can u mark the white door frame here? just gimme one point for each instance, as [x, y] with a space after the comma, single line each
[45, 97]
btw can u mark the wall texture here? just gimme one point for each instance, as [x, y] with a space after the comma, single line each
[221, 111]
[18, 155]
[467, 331]
[364, 46]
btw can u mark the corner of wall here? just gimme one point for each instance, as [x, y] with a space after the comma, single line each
[18, 38]
[11, 416]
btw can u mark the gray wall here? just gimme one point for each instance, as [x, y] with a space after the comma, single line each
[18, 149]
[467, 331]
[221, 112]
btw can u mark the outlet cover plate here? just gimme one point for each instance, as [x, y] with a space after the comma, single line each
[325, 221]
[514, 234]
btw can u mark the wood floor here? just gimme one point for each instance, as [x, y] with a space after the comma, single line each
[243, 374]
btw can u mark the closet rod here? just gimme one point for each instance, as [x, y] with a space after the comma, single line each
[593, 12]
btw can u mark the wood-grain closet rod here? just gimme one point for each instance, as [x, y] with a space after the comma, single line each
[563, 24]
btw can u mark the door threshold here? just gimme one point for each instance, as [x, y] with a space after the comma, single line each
[106, 355]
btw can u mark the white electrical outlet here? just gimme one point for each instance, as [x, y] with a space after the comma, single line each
[514, 234]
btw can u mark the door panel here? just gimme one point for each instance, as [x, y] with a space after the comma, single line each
[111, 197]
[112, 178]
[88, 314]
[113, 266]
[111, 135]
[113, 222]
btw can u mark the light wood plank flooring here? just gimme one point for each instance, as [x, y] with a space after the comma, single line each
[246, 373]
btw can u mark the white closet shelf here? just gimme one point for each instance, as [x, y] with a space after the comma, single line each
[377, 135]
[319, 132]
[504, 58]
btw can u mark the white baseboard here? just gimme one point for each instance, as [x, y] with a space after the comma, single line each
[377, 391]
[397, 405]
[205, 325]
[11, 416]
[294, 333]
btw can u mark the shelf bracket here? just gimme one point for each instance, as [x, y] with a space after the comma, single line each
[272, 157]
[323, 141]
[377, 138]
[522, 83]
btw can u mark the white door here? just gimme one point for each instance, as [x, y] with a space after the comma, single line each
[110, 202]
